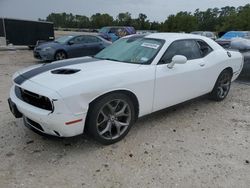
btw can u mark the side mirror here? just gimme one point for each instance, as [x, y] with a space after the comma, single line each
[177, 59]
[70, 42]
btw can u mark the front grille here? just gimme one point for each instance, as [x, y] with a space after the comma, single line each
[34, 124]
[34, 99]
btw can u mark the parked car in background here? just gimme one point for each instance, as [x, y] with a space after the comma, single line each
[115, 32]
[225, 40]
[137, 75]
[145, 32]
[245, 74]
[241, 44]
[208, 34]
[70, 46]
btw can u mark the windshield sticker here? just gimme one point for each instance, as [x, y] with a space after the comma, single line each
[150, 45]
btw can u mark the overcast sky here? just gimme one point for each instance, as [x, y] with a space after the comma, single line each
[156, 10]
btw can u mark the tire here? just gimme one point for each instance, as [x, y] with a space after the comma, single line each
[222, 86]
[110, 118]
[60, 55]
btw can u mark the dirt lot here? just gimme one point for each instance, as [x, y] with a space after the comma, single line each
[197, 144]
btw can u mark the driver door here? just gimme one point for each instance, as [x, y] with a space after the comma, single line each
[183, 81]
[77, 46]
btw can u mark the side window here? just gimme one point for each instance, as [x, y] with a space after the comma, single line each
[92, 39]
[96, 39]
[78, 40]
[205, 49]
[187, 48]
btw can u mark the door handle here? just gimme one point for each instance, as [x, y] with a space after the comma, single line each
[202, 64]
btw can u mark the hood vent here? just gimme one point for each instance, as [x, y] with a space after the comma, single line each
[65, 71]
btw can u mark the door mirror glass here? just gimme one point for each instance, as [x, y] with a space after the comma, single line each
[177, 59]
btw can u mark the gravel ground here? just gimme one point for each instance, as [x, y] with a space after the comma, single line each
[197, 144]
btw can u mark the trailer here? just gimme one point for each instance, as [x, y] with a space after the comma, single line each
[25, 32]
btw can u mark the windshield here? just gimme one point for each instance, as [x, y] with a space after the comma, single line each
[64, 39]
[230, 35]
[134, 49]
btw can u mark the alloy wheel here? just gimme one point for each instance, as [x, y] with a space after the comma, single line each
[224, 85]
[113, 119]
[60, 56]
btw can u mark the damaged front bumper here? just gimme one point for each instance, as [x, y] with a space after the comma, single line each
[56, 122]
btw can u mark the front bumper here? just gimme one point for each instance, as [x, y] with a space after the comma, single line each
[48, 122]
[43, 55]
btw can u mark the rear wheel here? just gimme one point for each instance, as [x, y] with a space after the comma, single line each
[60, 55]
[110, 118]
[222, 86]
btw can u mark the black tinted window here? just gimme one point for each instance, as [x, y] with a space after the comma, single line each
[187, 48]
[205, 49]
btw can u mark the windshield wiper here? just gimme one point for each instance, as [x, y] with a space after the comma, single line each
[110, 59]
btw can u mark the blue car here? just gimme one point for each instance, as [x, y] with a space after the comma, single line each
[115, 32]
[70, 47]
[225, 40]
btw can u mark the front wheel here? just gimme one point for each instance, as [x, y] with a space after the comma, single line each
[110, 118]
[60, 55]
[222, 86]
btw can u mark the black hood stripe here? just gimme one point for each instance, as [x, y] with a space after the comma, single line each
[47, 67]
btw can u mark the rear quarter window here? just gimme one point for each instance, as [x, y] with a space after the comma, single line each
[205, 49]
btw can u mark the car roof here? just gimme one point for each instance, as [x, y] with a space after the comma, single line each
[233, 34]
[174, 36]
[238, 31]
[171, 37]
[83, 34]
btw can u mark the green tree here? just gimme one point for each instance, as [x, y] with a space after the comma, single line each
[224, 19]
[82, 21]
[124, 19]
[99, 20]
[181, 22]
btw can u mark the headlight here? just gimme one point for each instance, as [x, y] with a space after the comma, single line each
[46, 49]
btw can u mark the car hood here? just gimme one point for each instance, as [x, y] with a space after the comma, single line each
[86, 70]
[51, 44]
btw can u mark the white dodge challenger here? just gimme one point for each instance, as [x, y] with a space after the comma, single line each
[137, 75]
